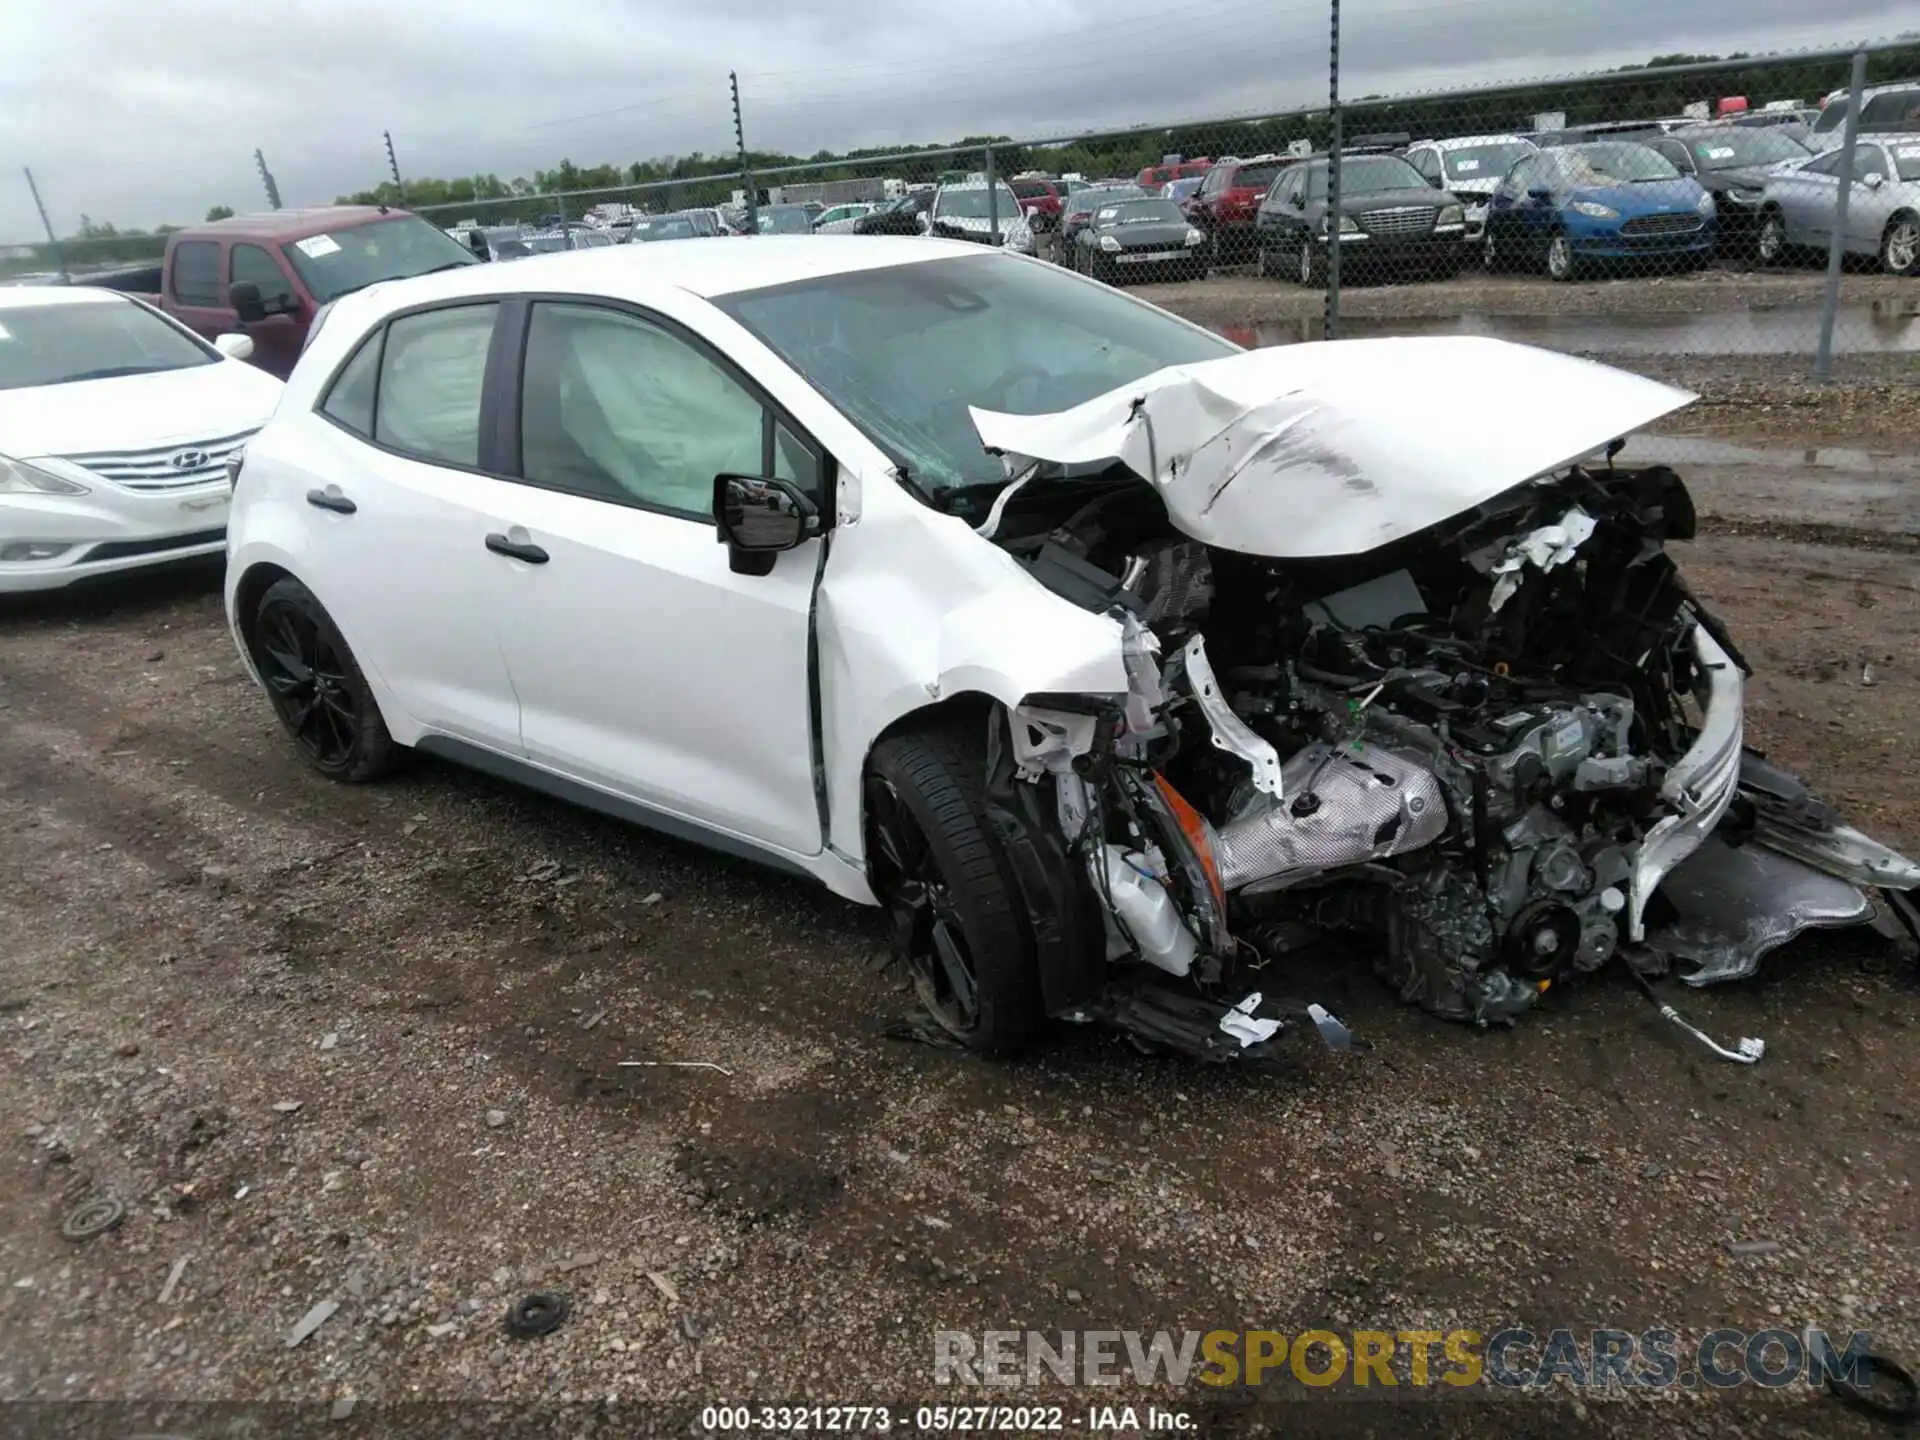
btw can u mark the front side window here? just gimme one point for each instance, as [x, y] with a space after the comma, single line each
[903, 351]
[1906, 161]
[196, 272]
[253, 266]
[431, 374]
[342, 261]
[619, 408]
[1828, 164]
[1896, 110]
[59, 344]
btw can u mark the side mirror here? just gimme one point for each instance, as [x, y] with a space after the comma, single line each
[1874, 181]
[1539, 192]
[758, 517]
[244, 297]
[234, 345]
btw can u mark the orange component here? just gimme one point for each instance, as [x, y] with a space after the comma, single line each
[1198, 834]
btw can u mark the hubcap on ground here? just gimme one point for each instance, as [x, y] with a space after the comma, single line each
[927, 930]
[308, 682]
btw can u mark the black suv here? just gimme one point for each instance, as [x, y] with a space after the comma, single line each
[1391, 222]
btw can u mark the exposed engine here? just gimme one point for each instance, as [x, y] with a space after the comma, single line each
[1456, 744]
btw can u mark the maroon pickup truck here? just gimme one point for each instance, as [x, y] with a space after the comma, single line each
[268, 275]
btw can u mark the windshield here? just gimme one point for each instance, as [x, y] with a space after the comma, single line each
[903, 351]
[1139, 212]
[1602, 166]
[1367, 176]
[675, 228]
[1033, 189]
[786, 221]
[362, 255]
[971, 204]
[1735, 149]
[56, 344]
[1484, 162]
[1181, 189]
[546, 244]
[1085, 201]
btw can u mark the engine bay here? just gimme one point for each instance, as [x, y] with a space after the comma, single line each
[1480, 749]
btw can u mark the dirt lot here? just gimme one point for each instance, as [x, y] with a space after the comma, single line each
[364, 1046]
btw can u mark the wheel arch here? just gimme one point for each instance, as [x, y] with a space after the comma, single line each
[1060, 911]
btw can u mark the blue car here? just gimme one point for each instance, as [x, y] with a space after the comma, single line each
[1610, 203]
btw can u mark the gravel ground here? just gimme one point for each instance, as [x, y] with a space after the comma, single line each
[363, 1046]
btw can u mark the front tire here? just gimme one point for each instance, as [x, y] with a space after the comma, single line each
[1311, 269]
[1770, 246]
[1560, 262]
[1900, 246]
[945, 879]
[317, 688]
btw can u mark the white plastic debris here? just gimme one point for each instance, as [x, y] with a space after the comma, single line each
[1544, 549]
[1241, 1023]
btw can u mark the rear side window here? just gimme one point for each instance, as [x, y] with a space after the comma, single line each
[196, 273]
[1897, 110]
[431, 371]
[350, 401]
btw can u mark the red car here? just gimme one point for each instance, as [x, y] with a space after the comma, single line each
[1152, 177]
[1040, 201]
[1225, 206]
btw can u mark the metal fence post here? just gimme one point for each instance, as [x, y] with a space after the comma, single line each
[560, 207]
[53, 240]
[740, 148]
[993, 203]
[1332, 325]
[1837, 247]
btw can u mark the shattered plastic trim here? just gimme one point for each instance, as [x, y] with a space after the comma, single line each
[1701, 783]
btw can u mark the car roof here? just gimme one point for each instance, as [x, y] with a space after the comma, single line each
[706, 267]
[1461, 142]
[294, 224]
[22, 297]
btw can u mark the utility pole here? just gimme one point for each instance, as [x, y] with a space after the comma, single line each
[266, 179]
[59, 256]
[740, 148]
[1332, 322]
[394, 165]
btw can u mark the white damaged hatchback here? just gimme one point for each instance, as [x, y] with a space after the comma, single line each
[1114, 661]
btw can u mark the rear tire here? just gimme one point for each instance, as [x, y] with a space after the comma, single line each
[316, 686]
[942, 873]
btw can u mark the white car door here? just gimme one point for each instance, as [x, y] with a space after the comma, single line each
[398, 546]
[645, 667]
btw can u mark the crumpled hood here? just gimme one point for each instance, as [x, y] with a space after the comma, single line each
[1336, 448]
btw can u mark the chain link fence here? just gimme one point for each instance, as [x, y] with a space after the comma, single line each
[1747, 216]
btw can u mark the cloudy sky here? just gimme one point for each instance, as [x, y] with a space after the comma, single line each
[141, 113]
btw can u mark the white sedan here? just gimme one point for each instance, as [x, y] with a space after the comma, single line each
[1110, 658]
[116, 425]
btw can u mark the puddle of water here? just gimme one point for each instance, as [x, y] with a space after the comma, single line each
[1880, 327]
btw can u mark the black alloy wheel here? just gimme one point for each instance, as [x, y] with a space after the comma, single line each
[316, 686]
[928, 931]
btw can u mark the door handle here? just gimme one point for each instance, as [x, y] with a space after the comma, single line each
[516, 550]
[331, 499]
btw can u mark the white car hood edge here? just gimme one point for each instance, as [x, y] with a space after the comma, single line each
[1337, 448]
